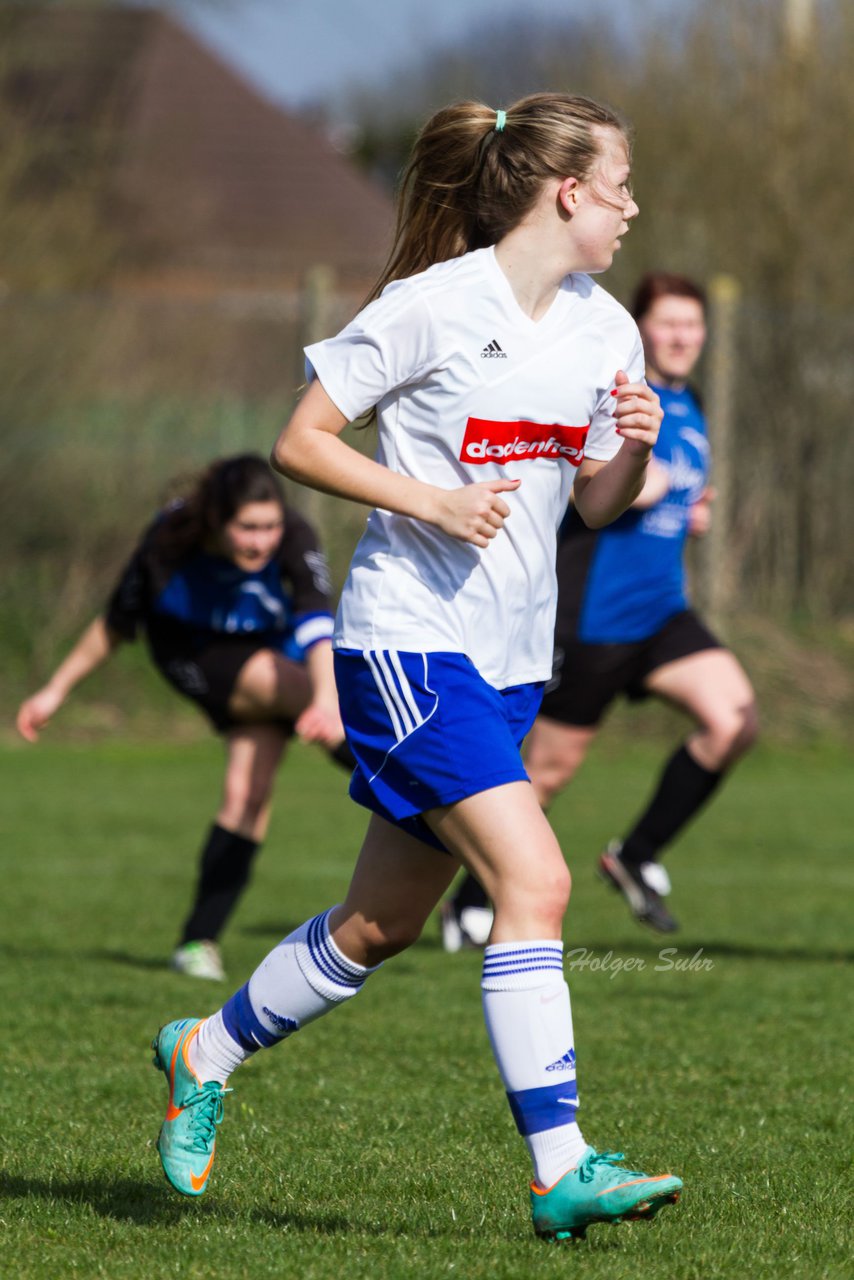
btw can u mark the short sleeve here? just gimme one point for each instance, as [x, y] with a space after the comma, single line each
[127, 605]
[389, 344]
[305, 574]
[139, 581]
[602, 439]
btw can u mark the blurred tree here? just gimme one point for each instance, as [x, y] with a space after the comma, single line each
[510, 58]
[57, 137]
[741, 133]
[743, 112]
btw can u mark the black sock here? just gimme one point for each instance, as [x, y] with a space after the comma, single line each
[223, 875]
[683, 788]
[469, 894]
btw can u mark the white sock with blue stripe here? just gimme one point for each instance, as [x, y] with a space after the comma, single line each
[529, 1021]
[301, 979]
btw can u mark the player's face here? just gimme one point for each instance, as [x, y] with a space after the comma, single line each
[604, 205]
[673, 332]
[253, 534]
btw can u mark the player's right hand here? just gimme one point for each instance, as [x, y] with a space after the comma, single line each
[476, 512]
[34, 714]
[638, 413]
[321, 722]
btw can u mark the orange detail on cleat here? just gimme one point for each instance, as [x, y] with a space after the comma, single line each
[198, 1182]
[172, 1112]
[633, 1182]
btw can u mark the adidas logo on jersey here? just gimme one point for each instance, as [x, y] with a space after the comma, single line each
[493, 351]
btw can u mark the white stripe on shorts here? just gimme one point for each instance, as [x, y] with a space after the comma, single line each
[399, 703]
[405, 686]
[389, 705]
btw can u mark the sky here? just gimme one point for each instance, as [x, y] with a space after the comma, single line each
[302, 51]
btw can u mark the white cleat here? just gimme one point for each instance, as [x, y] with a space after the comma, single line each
[470, 928]
[199, 960]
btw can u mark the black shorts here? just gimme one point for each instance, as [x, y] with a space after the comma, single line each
[207, 676]
[587, 677]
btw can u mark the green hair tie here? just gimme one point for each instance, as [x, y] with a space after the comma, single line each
[500, 121]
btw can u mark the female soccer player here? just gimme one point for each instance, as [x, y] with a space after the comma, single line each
[624, 626]
[232, 592]
[500, 373]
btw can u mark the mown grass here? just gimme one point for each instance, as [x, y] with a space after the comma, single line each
[378, 1143]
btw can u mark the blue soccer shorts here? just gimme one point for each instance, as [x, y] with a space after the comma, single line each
[427, 730]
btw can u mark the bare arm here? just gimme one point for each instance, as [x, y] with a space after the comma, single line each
[321, 720]
[655, 487]
[93, 648]
[604, 490]
[309, 450]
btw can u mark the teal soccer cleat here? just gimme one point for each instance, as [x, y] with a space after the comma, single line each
[598, 1191]
[187, 1138]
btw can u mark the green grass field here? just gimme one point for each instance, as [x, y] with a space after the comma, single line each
[378, 1142]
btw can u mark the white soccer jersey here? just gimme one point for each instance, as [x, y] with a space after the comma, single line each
[469, 388]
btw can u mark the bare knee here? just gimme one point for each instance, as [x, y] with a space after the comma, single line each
[549, 779]
[554, 897]
[750, 728]
[730, 735]
[551, 769]
[535, 906]
[270, 684]
[552, 761]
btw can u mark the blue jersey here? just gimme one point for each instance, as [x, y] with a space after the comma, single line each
[621, 584]
[211, 594]
[191, 602]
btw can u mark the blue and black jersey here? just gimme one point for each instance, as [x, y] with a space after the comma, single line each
[621, 584]
[186, 605]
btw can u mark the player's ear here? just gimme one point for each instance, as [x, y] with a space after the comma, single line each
[567, 195]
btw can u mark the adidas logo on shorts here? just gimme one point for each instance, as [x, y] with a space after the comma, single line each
[493, 351]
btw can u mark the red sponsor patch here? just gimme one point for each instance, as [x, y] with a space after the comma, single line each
[502, 442]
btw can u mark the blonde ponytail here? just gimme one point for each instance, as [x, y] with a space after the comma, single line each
[469, 182]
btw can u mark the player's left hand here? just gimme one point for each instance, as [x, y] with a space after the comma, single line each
[638, 412]
[321, 722]
[700, 514]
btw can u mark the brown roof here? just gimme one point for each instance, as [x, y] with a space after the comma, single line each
[208, 173]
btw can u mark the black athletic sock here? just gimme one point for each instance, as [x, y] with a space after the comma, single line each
[469, 894]
[224, 873]
[684, 786]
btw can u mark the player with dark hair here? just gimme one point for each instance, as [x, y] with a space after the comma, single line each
[232, 591]
[500, 374]
[624, 626]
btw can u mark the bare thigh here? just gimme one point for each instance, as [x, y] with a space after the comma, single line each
[500, 835]
[397, 882]
[270, 687]
[553, 753]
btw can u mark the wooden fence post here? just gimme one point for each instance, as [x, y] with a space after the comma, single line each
[718, 577]
[317, 298]
[316, 322]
